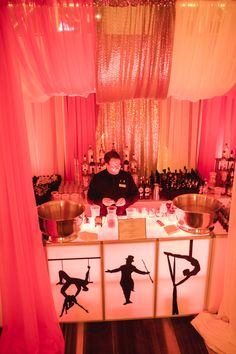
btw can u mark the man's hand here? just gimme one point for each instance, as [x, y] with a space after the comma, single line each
[108, 201]
[120, 202]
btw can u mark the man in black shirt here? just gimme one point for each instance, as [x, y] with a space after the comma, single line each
[112, 186]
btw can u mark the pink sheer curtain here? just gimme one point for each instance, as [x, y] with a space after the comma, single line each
[218, 127]
[30, 324]
[56, 48]
[45, 128]
[80, 126]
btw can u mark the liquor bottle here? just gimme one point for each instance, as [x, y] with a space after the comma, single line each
[99, 166]
[226, 150]
[205, 187]
[90, 153]
[133, 164]
[231, 161]
[157, 177]
[126, 164]
[152, 179]
[156, 192]
[126, 153]
[223, 164]
[92, 166]
[113, 146]
[84, 166]
[141, 188]
[85, 181]
[135, 178]
[147, 189]
[101, 154]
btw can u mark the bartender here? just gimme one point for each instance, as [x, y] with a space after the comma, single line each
[112, 186]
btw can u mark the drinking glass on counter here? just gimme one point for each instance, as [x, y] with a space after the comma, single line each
[131, 212]
[95, 210]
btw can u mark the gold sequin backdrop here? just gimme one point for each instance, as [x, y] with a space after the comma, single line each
[134, 123]
[134, 52]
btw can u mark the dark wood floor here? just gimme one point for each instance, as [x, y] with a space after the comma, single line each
[151, 336]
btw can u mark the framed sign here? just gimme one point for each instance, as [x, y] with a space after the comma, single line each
[132, 229]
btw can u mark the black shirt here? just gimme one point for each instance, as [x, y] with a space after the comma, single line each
[106, 185]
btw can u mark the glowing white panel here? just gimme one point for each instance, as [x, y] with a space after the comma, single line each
[182, 276]
[116, 257]
[72, 263]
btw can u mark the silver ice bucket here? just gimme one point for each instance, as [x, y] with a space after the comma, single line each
[196, 213]
[60, 220]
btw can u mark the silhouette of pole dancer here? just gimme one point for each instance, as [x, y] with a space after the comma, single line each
[126, 282]
[186, 272]
[81, 284]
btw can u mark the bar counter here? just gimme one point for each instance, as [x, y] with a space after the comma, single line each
[168, 272]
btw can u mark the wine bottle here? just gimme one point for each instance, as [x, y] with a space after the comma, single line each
[126, 164]
[147, 189]
[141, 188]
[101, 154]
[231, 161]
[92, 166]
[126, 153]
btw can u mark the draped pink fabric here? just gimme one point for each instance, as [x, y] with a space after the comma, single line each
[218, 127]
[30, 325]
[80, 126]
[56, 48]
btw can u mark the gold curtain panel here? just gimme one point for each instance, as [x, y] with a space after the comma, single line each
[134, 51]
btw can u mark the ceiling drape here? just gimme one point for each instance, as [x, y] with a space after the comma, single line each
[50, 41]
[204, 50]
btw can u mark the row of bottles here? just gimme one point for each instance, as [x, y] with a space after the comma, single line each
[223, 217]
[227, 160]
[177, 182]
[224, 170]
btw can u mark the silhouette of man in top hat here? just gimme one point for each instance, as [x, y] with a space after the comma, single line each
[126, 280]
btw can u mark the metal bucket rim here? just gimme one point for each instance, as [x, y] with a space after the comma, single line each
[64, 219]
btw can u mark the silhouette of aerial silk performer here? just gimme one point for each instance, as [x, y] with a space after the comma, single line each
[186, 272]
[81, 284]
[126, 281]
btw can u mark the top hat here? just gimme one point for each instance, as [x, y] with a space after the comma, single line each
[130, 258]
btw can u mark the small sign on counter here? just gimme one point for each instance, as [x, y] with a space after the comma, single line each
[132, 229]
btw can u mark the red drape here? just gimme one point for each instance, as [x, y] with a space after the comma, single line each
[218, 127]
[80, 126]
